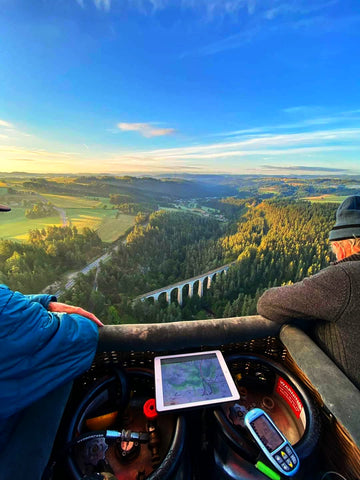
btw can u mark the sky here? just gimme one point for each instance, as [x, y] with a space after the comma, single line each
[173, 86]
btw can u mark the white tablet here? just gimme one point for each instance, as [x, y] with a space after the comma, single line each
[192, 380]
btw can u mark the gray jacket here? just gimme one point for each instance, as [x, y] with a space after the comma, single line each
[329, 304]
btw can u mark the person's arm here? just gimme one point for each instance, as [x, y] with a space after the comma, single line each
[39, 350]
[323, 296]
[65, 308]
[52, 305]
[42, 298]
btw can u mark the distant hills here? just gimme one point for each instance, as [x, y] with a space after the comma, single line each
[172, 187]
[138, 189]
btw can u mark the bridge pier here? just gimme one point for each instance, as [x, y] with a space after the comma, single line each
[168, 296]
[191, 289]
[210, 277]
[180, 296]
[201, 287]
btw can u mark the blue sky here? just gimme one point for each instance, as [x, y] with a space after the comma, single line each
[141, 86]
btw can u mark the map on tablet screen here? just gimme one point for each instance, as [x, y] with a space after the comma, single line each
[190, 380]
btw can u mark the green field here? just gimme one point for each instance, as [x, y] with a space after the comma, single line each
[65, 201]
[326, 198]
[15, 226]
[111, 228]
[80, 212]
[274, 190]
[104, 221]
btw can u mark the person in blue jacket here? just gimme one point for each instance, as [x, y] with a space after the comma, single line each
[43, 345]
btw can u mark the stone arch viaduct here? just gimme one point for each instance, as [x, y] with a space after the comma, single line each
[190, 282]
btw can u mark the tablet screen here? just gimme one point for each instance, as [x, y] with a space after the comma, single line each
[190, 380]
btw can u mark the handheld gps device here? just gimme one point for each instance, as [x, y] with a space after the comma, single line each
[272, 442]
[192, 380]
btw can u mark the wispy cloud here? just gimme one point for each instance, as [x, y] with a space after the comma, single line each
[213, 9]
[347, 118]
[227, 43]
[304, 168]
[103, 4]
[99, 4]
[320, 24]
[302, 109]
[248, 153]
[41, 156]
[134, 164]
[145, 129]
[295, 17]
[157, 157]
[272, 145]
[6, 124]
[30, 160]
[218, 9]
[8, 131]
[14, 157]
[296, 7]
[210, 9]
[250, 147]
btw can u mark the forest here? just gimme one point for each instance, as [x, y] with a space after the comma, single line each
[30, 267]
[274, 242]
[272, 236]
[40, 210]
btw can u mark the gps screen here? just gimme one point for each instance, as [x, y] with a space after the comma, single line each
[267, 433]
[191, 379]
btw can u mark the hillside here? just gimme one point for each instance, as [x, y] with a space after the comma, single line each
[275, 238]
[273, 241]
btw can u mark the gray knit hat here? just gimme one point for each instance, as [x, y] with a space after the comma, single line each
[347, 220]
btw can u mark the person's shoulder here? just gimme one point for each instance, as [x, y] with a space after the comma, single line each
[331, 269]
[330, 274]
[338, 266]
[339, 273]
[351, 266]
[5, 291]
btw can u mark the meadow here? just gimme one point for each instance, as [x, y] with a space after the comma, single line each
[104, 221]
[81, 212]
[15, 226]
[67, 201]
[326, 198]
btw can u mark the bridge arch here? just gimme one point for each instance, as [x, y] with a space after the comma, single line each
[194, 285]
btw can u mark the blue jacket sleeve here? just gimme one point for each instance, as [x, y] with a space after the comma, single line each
[41, 298]
[39, 350]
